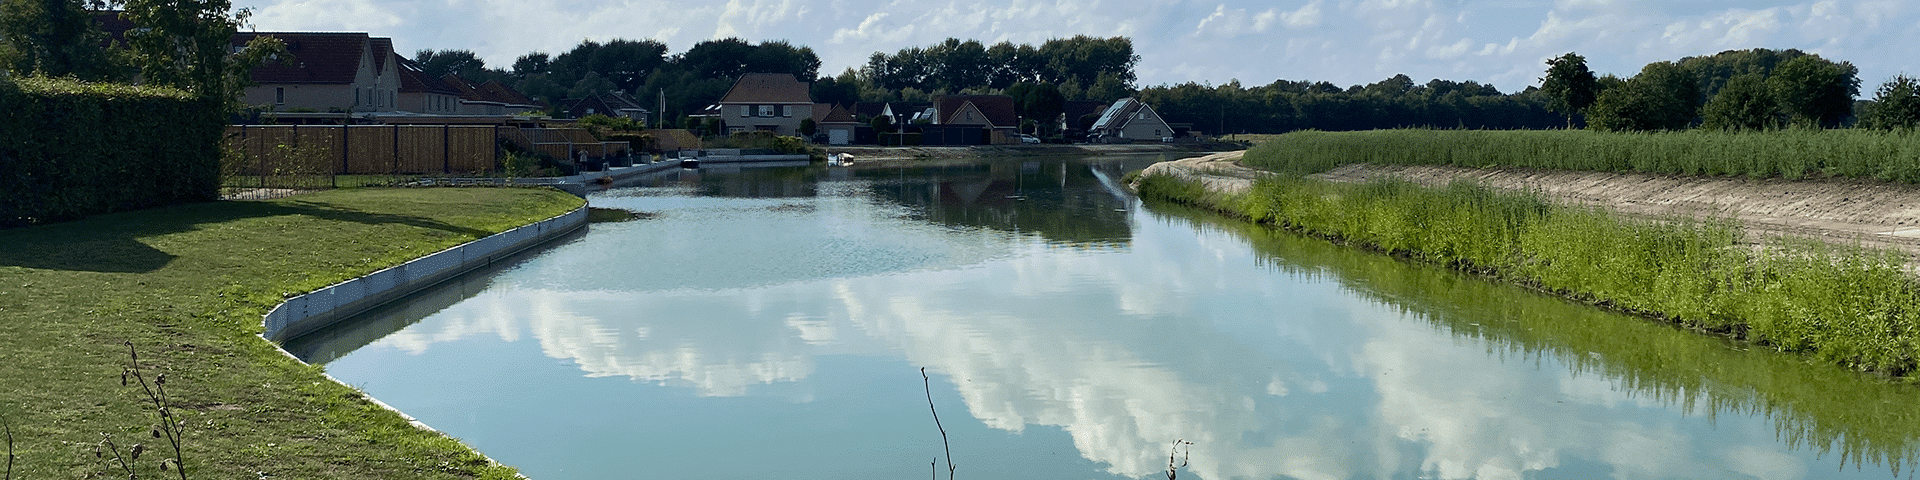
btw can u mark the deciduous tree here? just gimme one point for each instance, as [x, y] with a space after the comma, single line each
[1814, 91]
[1662, 97]
[1743, 103]
[189, 44]
[1896, 104]
[57, 38]
[1569, 85]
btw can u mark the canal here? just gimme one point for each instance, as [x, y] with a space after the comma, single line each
[773, 322]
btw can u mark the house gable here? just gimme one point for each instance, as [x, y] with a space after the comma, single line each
[994, 111]
[768, 88]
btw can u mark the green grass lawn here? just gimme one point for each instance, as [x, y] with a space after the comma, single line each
[187, 285]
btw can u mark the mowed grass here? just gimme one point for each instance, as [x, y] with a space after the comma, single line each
[1854, 307]
[187, 285]
[1791, 154]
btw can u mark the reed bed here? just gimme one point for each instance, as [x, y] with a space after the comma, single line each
[1792, 154]
[1850, 306]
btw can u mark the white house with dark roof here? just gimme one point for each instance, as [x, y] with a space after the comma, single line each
[1129, 120]
[773, 102]
[326, 72]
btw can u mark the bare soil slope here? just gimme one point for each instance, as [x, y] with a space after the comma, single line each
[1837, 210]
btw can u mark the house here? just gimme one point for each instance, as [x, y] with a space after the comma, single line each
[1129, 120]
[771, 102]
[838, 124]
[972, 120]
[612, 104]
[326, 72]
[420, 93]
[489, 99]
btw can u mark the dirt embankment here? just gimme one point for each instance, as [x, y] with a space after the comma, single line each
[1842, 211]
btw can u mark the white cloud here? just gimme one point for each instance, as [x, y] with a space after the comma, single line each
[1346, 42]
[1307, 16]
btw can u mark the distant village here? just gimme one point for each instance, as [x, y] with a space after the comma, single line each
[359, 79]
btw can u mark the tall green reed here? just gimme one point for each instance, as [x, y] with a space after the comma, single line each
[1851, 306]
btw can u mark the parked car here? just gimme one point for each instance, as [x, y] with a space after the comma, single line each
[1029, 139]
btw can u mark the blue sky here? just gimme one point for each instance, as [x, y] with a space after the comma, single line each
[1503, 42]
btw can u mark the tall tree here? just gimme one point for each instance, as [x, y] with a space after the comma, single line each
[439, 63]
[1896, 104]
[1662, 97]
[1041, 102]
[189, 44]
[1743, 103]
[1083, 59]
[1814, 91]
[58, 38]
[1570, 87]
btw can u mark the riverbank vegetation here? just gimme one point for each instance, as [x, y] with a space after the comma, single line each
[1849, 306]
[1791, 154]
[1858, 417]
[187, 285]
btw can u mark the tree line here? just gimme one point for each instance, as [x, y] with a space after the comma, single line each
[1081, 67]
[1754, 89]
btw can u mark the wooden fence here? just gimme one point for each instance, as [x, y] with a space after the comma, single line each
[370, 149]
[399, 149]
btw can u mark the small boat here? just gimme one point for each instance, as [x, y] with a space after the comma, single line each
[690, 162]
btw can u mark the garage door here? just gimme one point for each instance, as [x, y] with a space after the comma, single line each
[837, 137]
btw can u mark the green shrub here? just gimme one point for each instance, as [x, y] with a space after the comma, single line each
[74, 149]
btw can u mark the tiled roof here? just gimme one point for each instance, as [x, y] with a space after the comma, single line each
[313, 57]
[870, 109]
[382, 48]
[495, 91]
[461, 87]
[414, 80]
[997, 108]
[838, 114]
[768, 88]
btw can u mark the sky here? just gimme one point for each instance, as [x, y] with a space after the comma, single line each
[1347, 42]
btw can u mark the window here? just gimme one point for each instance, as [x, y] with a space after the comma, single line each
[786, 111]
[746, 110]
[280, 95]
[766, 110]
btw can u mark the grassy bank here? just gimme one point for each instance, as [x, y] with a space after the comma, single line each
[187, 285]
[1849, 306]
[1793, 154]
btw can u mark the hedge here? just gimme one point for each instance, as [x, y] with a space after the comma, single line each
[74, 149]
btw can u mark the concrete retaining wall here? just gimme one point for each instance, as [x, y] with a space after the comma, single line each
[322, 308]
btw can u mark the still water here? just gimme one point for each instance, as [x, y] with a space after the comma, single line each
[773, 323]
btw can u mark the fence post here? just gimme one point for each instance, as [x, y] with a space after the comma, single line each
[396, 151]
[346, 145]
[446, 149]
[343, 156]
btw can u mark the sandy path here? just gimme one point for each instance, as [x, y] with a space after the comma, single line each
[1842, 211]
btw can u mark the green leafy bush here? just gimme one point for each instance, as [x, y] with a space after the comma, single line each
[74, 149]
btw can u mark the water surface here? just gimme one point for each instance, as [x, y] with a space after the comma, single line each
[772, 323]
